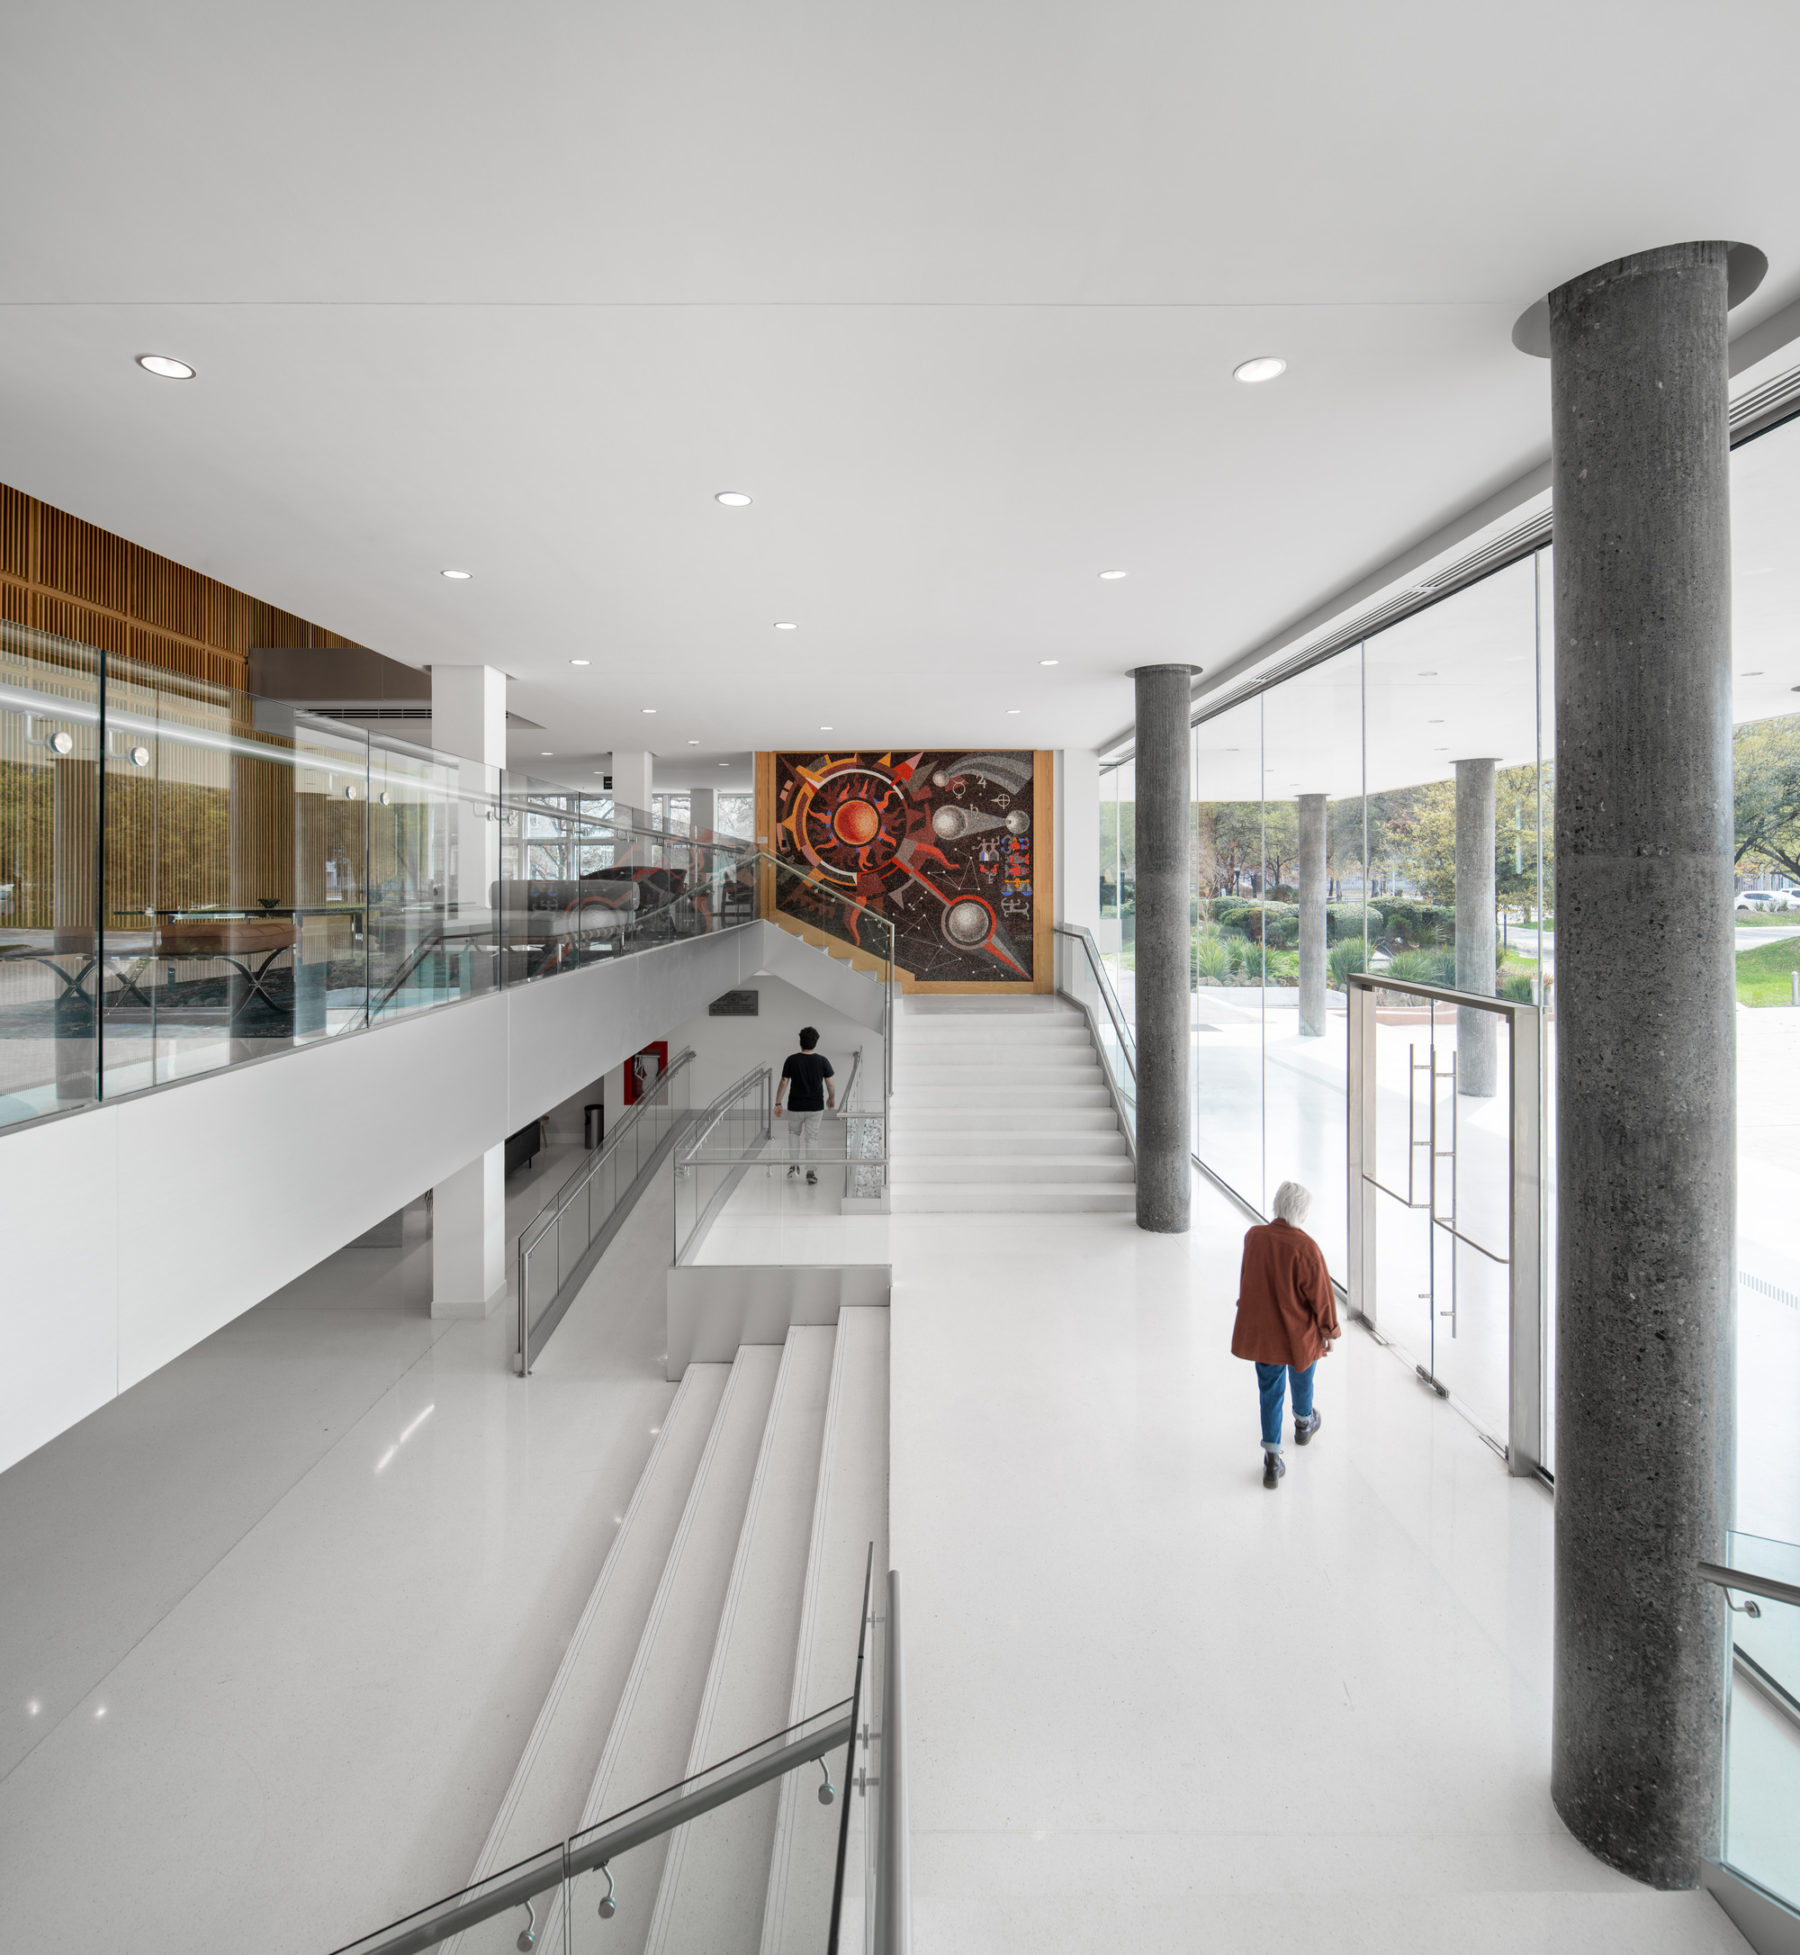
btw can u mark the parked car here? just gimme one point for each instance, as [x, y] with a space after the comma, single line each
[1753, 899]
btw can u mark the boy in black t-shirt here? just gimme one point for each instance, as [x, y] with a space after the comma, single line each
[806, 1086]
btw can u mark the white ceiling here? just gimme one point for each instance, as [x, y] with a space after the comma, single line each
[953, 291]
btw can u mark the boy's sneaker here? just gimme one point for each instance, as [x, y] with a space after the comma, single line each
[1305, 1428]
[1273, 1468]
[812, 1180]
[793, 1174]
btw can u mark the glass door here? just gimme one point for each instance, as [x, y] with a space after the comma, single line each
[1445, 1238]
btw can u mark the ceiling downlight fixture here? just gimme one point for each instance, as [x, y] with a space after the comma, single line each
[457, 576]
[1113, 576]
[165, 366]
[581, 661]
[733, 498]
[784, 624]
[1266, 366]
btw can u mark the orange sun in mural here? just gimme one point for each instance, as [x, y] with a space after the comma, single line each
[856, 822]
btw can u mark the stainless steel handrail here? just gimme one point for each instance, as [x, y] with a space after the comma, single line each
[893, 1868]
[1115, 1011]
[591, 1163]
[717, 1111]
[888, 956]
[583, 1853]
[1766, 1586]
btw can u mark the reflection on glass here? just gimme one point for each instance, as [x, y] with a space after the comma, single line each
[192, 877]
[1762, 1760]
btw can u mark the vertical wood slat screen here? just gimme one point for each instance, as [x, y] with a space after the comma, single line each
[177, 835]
[62, 575]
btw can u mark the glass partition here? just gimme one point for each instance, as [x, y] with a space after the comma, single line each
[192, 877]
[1762, 1749]
[51, 741]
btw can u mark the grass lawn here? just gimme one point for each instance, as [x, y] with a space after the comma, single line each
[1765, 919]
[1762, 973]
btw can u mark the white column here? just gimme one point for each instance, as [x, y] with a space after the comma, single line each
[468, 712]
[1078, 837]
[703, 812]
[468, 1238]
[468, 1211]
[631, 779]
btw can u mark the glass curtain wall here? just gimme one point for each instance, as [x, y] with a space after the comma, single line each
[1431, 746]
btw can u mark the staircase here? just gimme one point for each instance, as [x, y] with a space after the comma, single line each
[726, 1610]
[1002, 1105]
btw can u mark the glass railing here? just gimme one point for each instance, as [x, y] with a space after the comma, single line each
[711, 1159]
[828, 915]
[559, 1248]
[1082, 978]
[840, 1846]
[192, 877]
[611, 1874]
[1761, 1581]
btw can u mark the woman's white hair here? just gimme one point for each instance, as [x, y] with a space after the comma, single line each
[1292, 1200]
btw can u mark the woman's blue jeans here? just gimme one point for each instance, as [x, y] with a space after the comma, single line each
[1271, 1383]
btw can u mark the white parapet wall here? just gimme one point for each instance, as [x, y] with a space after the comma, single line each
[136, 1228]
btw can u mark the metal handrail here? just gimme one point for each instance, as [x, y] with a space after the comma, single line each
[893, 937]
[591, 1163]
[1766, 1586]
[893, 1871]
[586, 1851]
[856, 1699]
[1126, 1037]
[718, 1110]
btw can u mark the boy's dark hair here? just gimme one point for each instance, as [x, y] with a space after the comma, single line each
[809, 1037]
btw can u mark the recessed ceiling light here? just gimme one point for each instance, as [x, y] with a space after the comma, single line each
[732, 498]
[783, 624]
[1264, 367]
[581, 661]
[646, 709]
[1749, 675]
[1011, 710]
[1047, 661]
[1427, 675]
[693, 743]
[1112, 576]
[724, 763]
[546, 755]
[164, 367]
[827, 729]
[1434, 722]
[457, 576]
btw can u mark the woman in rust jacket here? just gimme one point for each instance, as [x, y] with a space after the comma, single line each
[1286, 1320]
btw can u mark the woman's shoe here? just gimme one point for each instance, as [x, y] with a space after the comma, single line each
[1273, 1468]
[1305, 1428]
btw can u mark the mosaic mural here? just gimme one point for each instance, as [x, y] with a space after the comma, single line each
[940, 844]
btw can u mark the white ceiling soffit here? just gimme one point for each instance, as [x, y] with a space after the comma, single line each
[953, 292]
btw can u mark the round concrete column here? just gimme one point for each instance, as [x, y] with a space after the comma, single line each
[1312, 916]
[1645, 1091]
[1164, 1169]
[1477, 1032]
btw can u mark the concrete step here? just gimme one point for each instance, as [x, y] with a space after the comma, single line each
[652, 1733]
[716, 1873]
[849, 1513]
[544, 1800]
[966, 1141]
[962, 1118]
[952, 1060]
[1025, 1034]
[1026, 1092]
[913, 1172]
[1011, 1197]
